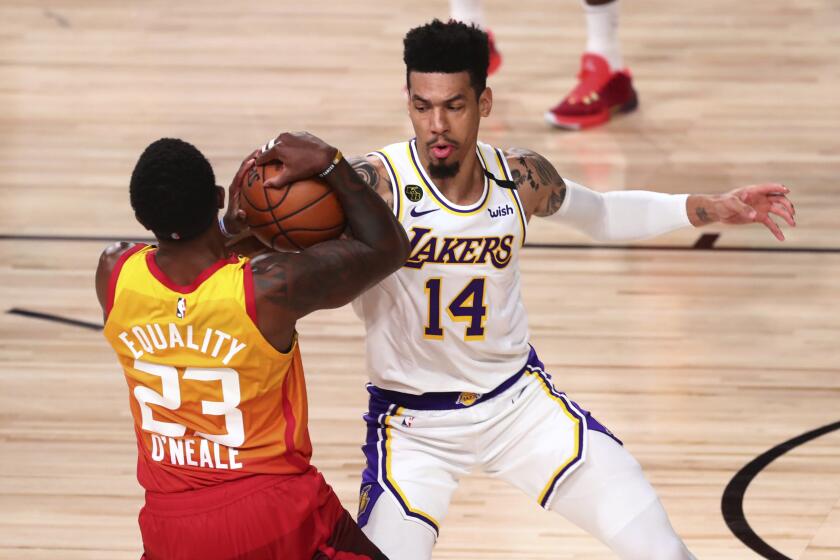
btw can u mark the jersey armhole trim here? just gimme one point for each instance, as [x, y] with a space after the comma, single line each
[115, 274]
[248, 285]
[395, 185]
[515, 194]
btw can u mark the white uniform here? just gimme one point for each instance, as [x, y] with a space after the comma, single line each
[455, 384]
[452, 318]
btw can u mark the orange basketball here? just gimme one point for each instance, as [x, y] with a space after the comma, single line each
[293, 217]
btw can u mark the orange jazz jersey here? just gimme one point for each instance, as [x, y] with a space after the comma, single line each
[212, 400]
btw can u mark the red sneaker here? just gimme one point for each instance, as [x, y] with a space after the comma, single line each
[598, 94]
[495, 55]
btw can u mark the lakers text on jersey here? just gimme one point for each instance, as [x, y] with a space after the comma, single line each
[451, 319]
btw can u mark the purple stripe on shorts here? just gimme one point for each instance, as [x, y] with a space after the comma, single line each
[449, 400]
[375, 451]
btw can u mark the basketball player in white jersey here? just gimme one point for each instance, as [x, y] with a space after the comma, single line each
[455, 385]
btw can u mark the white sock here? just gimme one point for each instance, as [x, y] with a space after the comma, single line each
[602, 32]
[468, 11]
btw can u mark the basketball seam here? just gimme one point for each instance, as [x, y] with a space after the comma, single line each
[282, 231]
[314, 229]
[308, 205]
[276, 221]
[270, 206]
[299, 210]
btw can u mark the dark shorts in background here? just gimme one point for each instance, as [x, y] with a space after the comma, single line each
[262, 517]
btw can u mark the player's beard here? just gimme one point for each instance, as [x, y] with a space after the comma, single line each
[444, 170]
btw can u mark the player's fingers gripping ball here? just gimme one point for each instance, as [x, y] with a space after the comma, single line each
[291, 217]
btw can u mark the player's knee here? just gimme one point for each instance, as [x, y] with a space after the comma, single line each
[650, 536]
[663, 548]
[669, 548]
[398, 538]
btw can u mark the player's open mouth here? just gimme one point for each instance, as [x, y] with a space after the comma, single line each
[442, 151]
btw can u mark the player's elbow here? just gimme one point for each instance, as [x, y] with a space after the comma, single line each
[397, 251]
[404, 248]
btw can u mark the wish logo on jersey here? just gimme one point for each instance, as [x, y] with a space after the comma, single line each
[427, 248]
[506, 210]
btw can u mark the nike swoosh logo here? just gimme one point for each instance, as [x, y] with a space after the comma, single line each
[417, 214]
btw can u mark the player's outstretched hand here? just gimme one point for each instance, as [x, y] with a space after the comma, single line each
[755, 203]
[234, 218]
[300, 156]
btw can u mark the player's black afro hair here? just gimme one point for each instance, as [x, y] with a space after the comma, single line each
[449, 47]
[173, 190]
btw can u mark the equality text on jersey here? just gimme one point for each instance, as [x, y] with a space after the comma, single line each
[149, 338]
[429, 248]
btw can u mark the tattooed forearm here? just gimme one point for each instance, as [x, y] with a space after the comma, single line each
[703, 216]
[326, 275]
[270, 278]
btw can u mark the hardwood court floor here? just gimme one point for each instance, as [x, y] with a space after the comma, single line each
[699, 360]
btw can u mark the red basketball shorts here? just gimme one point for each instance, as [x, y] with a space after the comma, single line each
[260, 517]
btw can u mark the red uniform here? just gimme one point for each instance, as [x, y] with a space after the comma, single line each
[221, 422]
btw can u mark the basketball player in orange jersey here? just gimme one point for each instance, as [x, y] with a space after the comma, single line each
[455, 384]
[208, 344]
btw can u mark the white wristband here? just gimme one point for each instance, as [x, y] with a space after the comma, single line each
[223, 229]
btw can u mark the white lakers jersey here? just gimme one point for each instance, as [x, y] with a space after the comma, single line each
[452, 318]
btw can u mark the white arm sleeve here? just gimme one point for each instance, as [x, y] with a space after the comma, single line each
[621, 215]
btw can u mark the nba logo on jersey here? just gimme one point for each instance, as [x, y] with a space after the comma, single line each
[467, 399]
[181, 308]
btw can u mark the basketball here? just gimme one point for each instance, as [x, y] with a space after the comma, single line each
[292, 217]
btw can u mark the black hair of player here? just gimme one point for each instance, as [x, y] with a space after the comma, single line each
[173, 190]
[448, 48]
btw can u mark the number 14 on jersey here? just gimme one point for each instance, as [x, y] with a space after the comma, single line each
[467, 307]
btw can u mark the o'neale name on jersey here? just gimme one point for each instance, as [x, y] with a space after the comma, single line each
[427, 248]
[185, 452]
[148, 339]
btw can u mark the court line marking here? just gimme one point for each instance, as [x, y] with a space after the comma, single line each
[54, 318]
[699, 245]
[732, 501]
[706, 241]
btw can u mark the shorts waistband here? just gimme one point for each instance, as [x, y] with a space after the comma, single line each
[451, 400]
[211, 497]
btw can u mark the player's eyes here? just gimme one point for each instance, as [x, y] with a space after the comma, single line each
[420, 108]
[455, 107]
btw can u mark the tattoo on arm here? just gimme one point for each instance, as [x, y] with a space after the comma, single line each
[534, 170]
[703, 216]
[555, 200]
[522, 178]
[328, 275]
[367, 171]
[270, 278]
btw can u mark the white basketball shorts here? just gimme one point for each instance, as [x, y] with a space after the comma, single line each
[418, 446]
